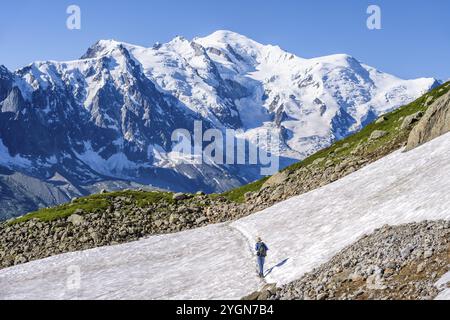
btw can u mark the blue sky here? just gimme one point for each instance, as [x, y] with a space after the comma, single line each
[414, 41]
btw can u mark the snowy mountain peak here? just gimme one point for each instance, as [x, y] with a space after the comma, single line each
[339, 59]
[228, 37]
[3, 69]
[104, 48]
[241, 48]
[112, 113]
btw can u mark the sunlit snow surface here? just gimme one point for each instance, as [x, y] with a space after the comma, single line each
[216, 261]
[442, 285]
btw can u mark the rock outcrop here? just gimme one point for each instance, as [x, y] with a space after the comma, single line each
[265, 293]
[434, 123]
[401, 262]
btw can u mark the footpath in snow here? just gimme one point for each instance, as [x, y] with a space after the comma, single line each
[216, 262]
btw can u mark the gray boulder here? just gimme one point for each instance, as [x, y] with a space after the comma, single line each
[180, 196]
[75, 219]
[411, 119]
[377, 134]
[276, 179]
[381, 119]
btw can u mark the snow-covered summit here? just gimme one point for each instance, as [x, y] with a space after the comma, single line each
[112, 112]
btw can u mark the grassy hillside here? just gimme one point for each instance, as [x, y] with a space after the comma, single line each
[96, 203]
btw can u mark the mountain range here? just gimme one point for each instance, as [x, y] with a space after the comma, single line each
[105, 121]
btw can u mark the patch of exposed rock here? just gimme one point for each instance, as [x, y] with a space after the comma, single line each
[265, 293]
[402, 263]
[433, 124]
[377, 134]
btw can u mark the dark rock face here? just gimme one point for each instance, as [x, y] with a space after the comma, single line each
[32, 131]
[22, 193]
[341, 124]
[6, 81]
[14, 102]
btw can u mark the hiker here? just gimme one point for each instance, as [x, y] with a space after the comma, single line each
[261, 252]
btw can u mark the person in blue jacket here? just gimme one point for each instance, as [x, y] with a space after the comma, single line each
[261, 252]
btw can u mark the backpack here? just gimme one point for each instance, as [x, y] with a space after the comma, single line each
[262, 250]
